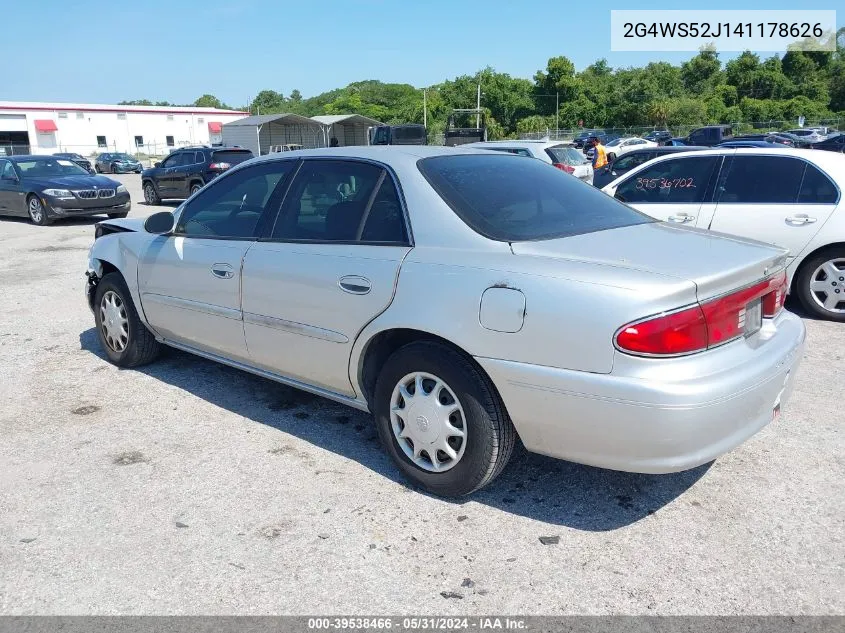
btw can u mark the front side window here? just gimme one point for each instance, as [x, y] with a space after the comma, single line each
[342, 201]
[677, 180]
[231, 206]
[508, 199]
[754, 179]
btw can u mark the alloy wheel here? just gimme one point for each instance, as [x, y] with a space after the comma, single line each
[827, 285]
[36, 210]
[114, 321]
[428, 422]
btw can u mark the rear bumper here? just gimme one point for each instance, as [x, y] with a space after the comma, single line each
[670, 418]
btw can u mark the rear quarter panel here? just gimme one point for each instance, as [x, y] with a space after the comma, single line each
[572, 309]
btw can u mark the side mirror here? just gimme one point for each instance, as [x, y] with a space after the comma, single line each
[157, 164]
[159, 223]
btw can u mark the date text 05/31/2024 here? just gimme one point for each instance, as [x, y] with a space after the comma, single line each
[722, 29]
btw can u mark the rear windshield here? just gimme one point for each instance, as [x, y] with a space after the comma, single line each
[566, 155]
[405, 135]
[231, 156]
[509, 199]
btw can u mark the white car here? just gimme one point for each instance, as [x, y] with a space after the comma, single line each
[619, 146]
[788, 197]
[809, 134]
[564, 156]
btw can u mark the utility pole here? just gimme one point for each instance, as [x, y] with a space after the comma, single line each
[425, 111]
[478, 107]
[557, 113]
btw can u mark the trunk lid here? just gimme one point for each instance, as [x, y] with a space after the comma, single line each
[715, 262]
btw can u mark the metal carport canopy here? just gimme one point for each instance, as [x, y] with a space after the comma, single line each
[260, 132]
[354, 127]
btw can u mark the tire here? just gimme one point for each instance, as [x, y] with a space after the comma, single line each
[195, 187]
[150, 194]
[97, 169]
[113, 169]
[36, 211]
[115, 216]
[132, 344]
[815, 285]
[488, 434]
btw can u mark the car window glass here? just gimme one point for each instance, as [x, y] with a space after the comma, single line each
[816, 188]
[333, 200]
[761, 180]
[198, 158]
[677, 180]
[170, 161]
[232, 205]
[508, 199]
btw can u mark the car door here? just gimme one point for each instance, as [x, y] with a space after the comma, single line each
[329, 267]
[674, 190]
[190, 280]
[182, 173]
[12, 192]
[164, 175]
[783, 200]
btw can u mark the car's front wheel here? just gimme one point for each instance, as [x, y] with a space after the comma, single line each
[441, 419]
[820, 285]
[124, 338]
[37, 212]
[150, 194]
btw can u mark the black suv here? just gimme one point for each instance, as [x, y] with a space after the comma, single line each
[582, 138]
[186, 170]
[710, 135]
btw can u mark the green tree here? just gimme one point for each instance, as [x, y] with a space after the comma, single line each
[210, 101]
[268, 102]
[703, 72]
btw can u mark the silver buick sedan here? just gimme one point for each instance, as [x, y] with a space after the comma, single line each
[467, 299]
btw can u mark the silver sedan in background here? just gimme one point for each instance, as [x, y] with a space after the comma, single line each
[467, 299]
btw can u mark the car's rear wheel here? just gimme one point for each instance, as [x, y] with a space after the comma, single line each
[820, 285]
[97, 169]
[441, 419]
[195, 187]
[124, 338]
[150, 194]
[37, 212]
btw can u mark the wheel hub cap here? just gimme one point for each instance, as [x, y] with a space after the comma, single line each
[35, 210]
[114, 322]
[827, 285]
[428, 422]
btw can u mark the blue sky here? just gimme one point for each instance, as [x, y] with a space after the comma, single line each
[175, 50]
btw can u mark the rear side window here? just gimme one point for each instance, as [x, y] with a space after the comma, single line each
[233, 157]
[816, 188]
[508, 199]
[566, 155]
[761, 180]
[342, 201]
[626, 163]
[677, 180]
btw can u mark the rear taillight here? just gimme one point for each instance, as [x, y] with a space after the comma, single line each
[566, 168]
[219, 166]
[705, 325]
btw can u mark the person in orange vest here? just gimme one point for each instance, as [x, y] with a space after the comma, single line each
[599, 153]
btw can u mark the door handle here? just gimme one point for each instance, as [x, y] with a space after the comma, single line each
[354, 284]
[681, 217]
[800, 218]
[222, 271]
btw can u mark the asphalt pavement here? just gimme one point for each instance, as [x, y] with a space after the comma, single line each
[186, 487]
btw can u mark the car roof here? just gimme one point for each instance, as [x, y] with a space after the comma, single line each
[664, 149]
[518, 143]
[26, 157]
[831, 162]
[387, 154]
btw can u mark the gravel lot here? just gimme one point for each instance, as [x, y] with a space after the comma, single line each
[189, 488]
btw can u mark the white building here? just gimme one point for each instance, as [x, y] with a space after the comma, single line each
[45, 128]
